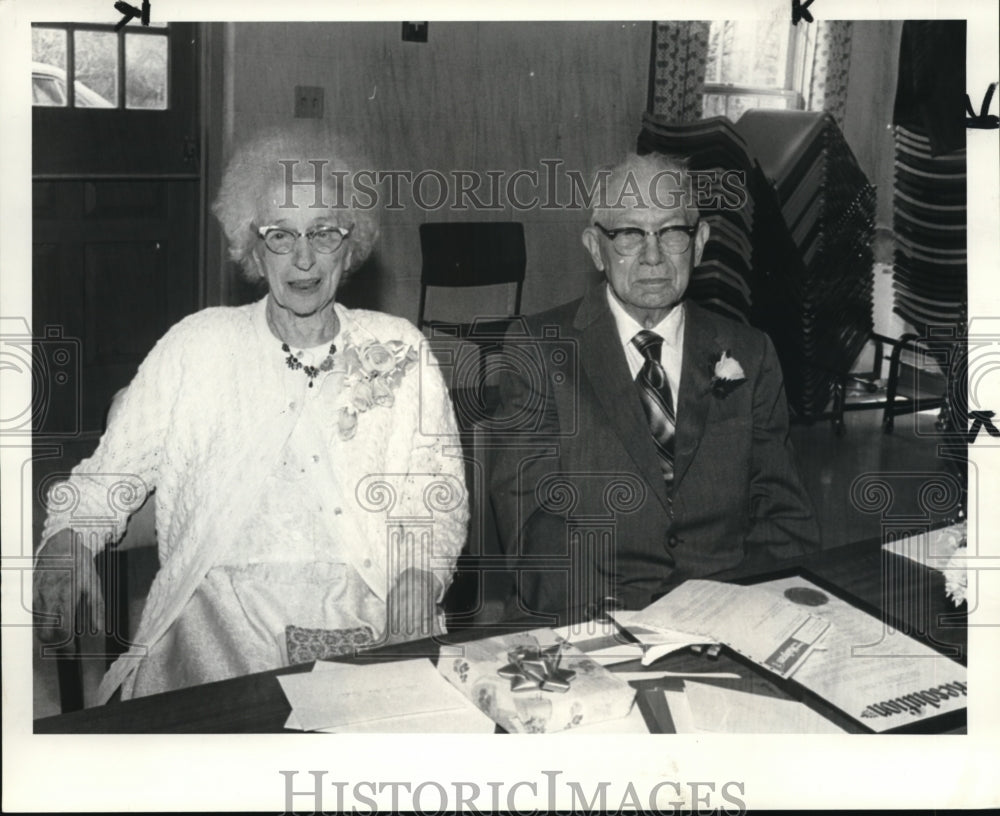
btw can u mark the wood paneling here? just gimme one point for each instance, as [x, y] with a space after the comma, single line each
[477, 96]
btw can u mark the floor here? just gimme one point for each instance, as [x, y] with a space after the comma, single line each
[863, 483]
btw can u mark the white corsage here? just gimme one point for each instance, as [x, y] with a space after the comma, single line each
[956, 576]
[372, 371]
[726, 375]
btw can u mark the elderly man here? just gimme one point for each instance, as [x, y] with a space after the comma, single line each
[648, 437]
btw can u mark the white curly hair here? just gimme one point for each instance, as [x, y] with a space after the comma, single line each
[278, 159]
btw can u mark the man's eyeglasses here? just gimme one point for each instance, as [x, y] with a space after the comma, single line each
[674, 239]
[280, 240]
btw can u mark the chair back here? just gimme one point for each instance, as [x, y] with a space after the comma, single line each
[471, 254]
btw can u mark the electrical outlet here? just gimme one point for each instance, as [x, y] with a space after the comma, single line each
[308, 102]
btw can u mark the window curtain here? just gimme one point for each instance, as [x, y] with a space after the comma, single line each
[680, 51]
[827, 65]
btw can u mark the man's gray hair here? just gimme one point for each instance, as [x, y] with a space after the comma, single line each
[660, 180]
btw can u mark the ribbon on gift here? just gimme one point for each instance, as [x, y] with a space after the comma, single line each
[532, 668]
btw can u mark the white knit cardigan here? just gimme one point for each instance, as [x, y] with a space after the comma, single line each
[203, 424]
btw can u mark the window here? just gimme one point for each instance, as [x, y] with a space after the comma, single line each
[94, 66]
[753, 64]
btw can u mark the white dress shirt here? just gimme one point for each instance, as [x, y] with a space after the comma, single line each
[671, 329]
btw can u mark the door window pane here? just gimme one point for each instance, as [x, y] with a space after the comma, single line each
[48, 73]
[145, 71]
[96, 68]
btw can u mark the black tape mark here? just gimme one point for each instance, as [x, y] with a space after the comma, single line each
[800, 11]
[982, 420]
[131, 12]
[983, 120]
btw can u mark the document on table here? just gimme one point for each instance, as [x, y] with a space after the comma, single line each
[879, 676]
[933, 549]
[604, 641]
[761, 625]
[708, 708]
[407, 696]
[601, 641]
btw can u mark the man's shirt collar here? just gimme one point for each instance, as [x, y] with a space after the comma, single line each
[671, 328]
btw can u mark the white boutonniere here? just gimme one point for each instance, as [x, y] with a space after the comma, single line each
[726, 374]
[372, 371]
[956, 576]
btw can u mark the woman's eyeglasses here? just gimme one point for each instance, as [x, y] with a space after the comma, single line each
[674, 239]
[280, 240]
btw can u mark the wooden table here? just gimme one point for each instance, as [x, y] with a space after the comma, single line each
[909, 596]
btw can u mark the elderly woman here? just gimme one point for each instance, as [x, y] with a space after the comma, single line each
[305, 503]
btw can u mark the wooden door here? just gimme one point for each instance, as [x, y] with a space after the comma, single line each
[117, 243]
[117, 214]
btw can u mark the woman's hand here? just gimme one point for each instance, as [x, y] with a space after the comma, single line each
[64, 582]
[411, 608]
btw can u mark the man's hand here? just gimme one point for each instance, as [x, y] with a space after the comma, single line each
[64, 583]
[411, 608]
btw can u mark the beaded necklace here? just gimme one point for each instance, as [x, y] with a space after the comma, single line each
[312, 372]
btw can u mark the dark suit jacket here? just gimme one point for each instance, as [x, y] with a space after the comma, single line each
[581, 507]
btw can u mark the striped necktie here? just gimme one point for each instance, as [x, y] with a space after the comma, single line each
[657, 401]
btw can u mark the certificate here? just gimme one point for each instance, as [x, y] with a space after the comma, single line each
[759, 624]
[875, 674]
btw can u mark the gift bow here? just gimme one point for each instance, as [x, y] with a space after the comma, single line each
[532, 667]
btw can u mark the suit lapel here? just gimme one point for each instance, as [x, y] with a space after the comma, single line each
[700, 353]
[603, 362]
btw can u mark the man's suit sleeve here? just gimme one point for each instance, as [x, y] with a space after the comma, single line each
[524, 443]
[524, 451]
[782, 520]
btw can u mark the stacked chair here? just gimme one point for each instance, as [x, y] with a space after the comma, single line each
[929, 206]
[724, 281]
[795, 260]
[930, 289]
[813, 238]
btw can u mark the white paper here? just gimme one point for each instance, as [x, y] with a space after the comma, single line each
[407, 695]
[642, 676]
[877, 675]
[464, 720]
[933, 549]
[765, 627]
[675, 643]
[716, 709]
[656, 642]
[680, 711]
[601, 641]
